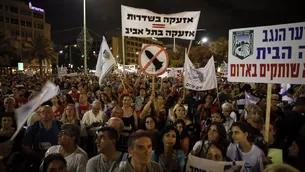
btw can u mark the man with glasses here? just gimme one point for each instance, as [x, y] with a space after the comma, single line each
[68, 140]
[109, 158]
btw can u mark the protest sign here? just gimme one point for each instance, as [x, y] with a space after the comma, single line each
[199, 79]
[144, 23]
[269, 54]
[276, 155]
[195, 164]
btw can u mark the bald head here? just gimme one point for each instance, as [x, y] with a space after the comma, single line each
[116, 123]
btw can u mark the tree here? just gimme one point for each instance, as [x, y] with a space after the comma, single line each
[176, 59]
[40, 48]
[7, 48]
[200, 55]
[219, 48]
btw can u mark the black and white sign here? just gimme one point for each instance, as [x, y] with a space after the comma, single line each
[144, 23]
[153, 60]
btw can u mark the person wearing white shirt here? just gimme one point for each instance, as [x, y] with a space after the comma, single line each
[96, 115]
[227, 110]
[230, 116]
[75, 156]
[243, 148]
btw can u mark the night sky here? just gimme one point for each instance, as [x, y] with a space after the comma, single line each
[217, 16]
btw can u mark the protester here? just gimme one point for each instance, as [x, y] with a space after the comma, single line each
[203, 125]
[68, 139]
[140, 149]
[243, 148]
[40, 136]
[55, 162]
[108, 159]
[168, 153]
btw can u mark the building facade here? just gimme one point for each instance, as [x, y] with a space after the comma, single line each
[133, 46]
[20, 22]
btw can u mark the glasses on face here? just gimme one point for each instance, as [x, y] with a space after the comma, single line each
[60, 169]
[63, 133]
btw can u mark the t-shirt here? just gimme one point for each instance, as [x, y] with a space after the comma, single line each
[41, 139]
[180, 159]
[89, 118]
[253, 159]
[200, 149]
[97, 164]
[82, 110]
[76, 162]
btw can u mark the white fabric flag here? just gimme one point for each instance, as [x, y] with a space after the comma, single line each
[200, 164]
[105, 61]
[22, 113]
[251, 99]
[199, 79]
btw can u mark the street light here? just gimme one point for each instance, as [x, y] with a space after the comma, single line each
[61, 51]
[204, 40]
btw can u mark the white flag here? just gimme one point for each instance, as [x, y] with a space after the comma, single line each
[251, 99]
[22, 113]
[105, 61]
[199, 79]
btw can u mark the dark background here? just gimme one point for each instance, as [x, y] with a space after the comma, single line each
[217, 16]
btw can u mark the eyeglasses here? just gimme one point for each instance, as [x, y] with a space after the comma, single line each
[61, 133]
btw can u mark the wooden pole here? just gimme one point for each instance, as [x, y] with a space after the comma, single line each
[268, 110]
[153, 85]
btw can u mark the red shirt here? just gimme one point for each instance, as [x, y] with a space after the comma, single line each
[82, 110]
[75, 96]
[21, 101]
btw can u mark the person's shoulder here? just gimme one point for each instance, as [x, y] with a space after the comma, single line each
[156, 167]
[256, 149]
[123, 156]
[53, 149]
[180, 154]
[81, 152]
[95, 159]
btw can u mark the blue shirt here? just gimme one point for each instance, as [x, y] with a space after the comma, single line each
[180, 161]
[41, 139]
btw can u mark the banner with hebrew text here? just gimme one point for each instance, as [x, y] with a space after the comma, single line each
[195, 164]
[144, 23]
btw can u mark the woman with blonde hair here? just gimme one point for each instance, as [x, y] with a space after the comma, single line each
[70, 116]
[280, 168]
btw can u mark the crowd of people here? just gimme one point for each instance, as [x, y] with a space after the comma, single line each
[132, 124]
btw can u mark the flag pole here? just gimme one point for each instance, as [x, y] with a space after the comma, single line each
[182, 78]
[123, 51]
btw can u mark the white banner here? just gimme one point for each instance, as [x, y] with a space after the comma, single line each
[172, 72]
[62, 71]
[144, 23]
[22, 113]
[105, 61]
[199, 79]
[268, 54]
[199, 164]
[128, 68]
